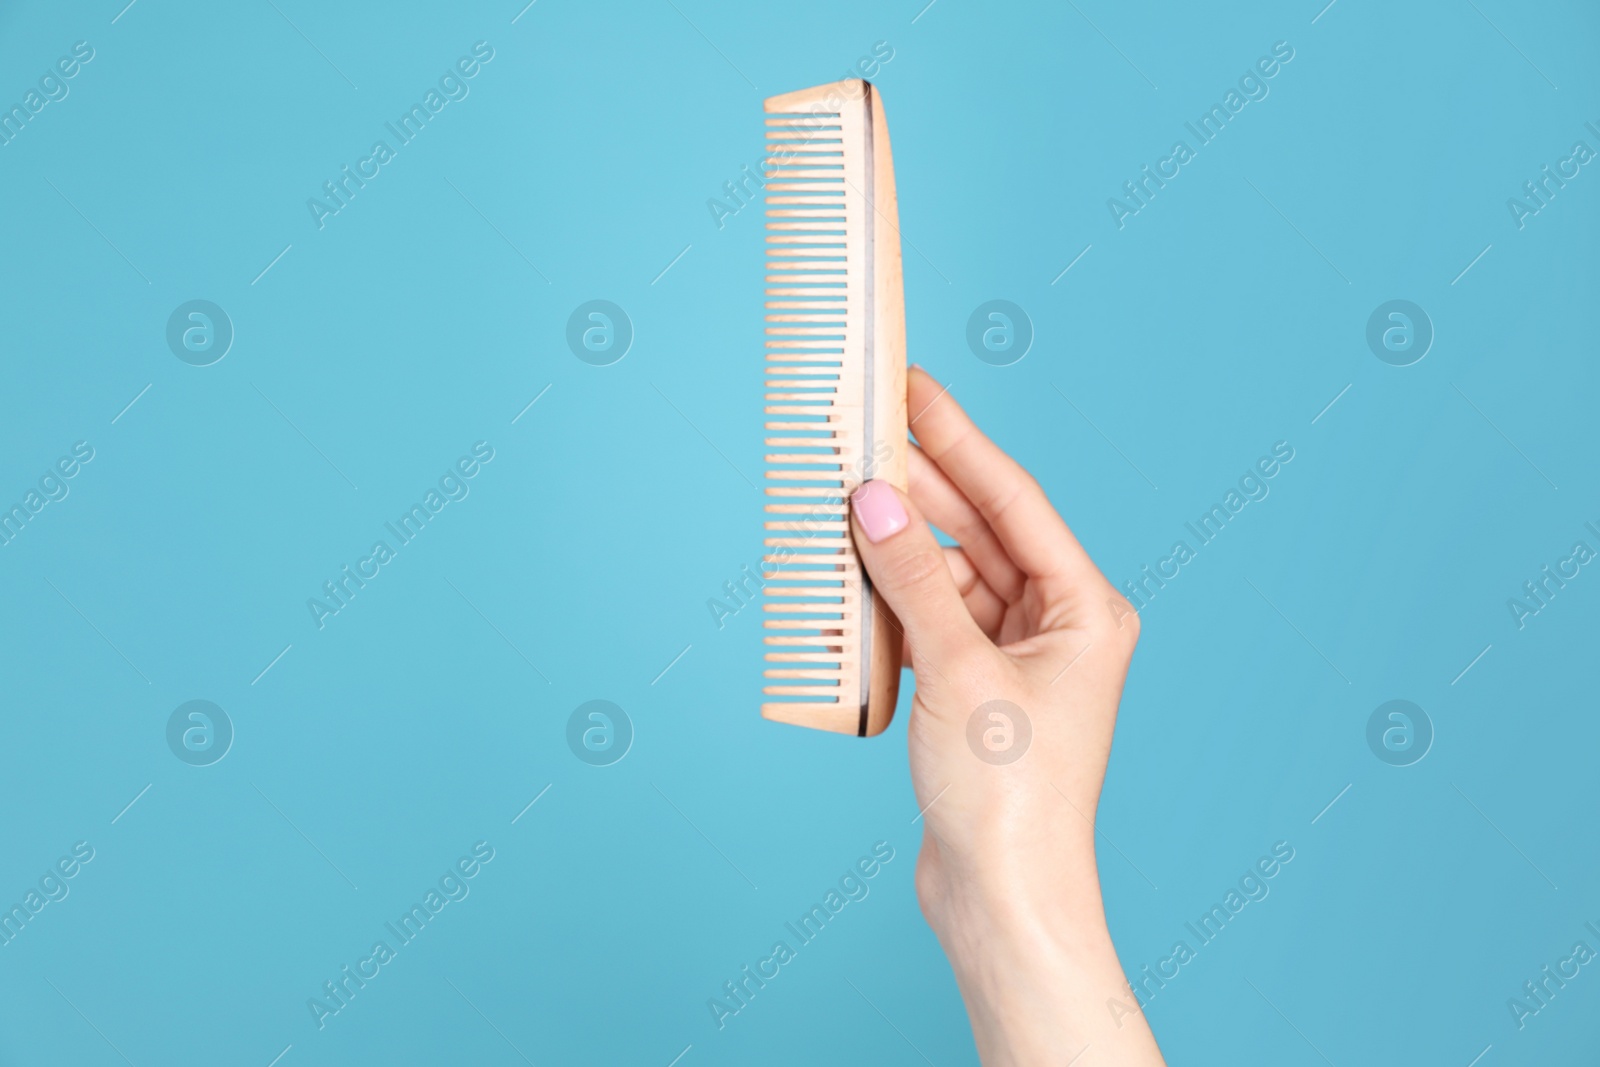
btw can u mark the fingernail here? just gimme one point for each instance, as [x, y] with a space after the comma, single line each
[878, 510]
[918, 366]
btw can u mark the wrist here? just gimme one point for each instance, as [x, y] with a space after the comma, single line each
[1034, 959]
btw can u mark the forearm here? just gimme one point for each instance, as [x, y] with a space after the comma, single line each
[1039, 974]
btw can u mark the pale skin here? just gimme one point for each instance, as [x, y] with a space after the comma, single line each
[1006, 877]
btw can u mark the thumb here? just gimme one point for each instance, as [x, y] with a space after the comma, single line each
[908, 569]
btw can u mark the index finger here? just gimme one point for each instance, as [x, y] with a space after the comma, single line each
[1007, 496]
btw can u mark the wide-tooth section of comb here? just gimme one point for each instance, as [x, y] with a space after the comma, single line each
[818, 332]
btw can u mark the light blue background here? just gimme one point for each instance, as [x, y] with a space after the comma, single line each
[416, 323]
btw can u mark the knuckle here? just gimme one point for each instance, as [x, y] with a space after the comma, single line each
[916, 570]
[1119, 619]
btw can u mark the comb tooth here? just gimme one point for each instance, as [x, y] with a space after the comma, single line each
[804, 576]
[787, 475]
[834, 622]
[810, 528]
[791, 409]
[803, 674]
[802, 691]
[810, 591]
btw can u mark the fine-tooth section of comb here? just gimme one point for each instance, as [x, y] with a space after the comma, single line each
[835, 404]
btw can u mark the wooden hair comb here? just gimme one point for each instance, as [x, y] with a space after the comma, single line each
[835, 401]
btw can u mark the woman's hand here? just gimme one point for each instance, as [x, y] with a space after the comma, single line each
[1020, 647]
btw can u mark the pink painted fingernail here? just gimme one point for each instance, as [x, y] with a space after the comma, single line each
[878, 510]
